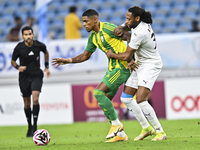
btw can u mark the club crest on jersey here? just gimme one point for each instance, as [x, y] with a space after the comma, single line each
[102, 39]
[31, 53]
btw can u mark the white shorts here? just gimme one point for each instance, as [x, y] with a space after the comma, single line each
[145, 76]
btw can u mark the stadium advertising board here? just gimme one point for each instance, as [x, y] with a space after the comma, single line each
[55, 105]
[170, 47]
[158, 99]
[86, 106]
[181, 50]
[57, 49]
[182, 98]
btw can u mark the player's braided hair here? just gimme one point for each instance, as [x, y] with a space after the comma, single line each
[145, 16]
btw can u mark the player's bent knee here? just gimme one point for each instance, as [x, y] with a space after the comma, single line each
[98, 94]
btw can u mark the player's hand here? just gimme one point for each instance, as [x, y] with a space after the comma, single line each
[109, 53]
[48, 74]
[132, 65]
[22, 68]
[118, 31]
[59, 61]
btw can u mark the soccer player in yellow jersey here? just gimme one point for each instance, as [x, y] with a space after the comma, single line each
[102, 37]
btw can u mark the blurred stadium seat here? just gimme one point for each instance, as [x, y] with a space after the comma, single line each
[137, 3]
[32, 2]
[168, 15]
[169, 28]
[122, 3]
[14, 2]
[10, 10]
[119, 13]
[156, 28]
[3, 3]
[173, 18]
[105, 14]
[177, 9]
[184, 27]
[95, 5]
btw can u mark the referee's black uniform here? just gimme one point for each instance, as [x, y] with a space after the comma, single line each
[32, 78]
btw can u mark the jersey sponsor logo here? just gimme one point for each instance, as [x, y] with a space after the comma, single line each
[31, 53]
[145, 81]
[189, 103]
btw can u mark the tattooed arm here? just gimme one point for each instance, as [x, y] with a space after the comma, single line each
[126, 36]
[120, 29]
[77, 59]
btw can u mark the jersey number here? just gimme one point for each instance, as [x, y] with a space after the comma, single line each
[153, 37]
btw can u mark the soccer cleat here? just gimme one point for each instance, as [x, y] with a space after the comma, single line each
[118, 138]
[160, 136]
[144, 133]
[29, 132]
[114, 130]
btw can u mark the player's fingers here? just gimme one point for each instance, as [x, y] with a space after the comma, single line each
[54, 63]
[57, 65]
[135, 66]
[120, 34]
[130, 69]
[48, 74]
[55, 59]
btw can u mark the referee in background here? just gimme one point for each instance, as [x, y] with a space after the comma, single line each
[30, 74]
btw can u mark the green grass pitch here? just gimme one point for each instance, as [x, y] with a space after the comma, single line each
[181, 134]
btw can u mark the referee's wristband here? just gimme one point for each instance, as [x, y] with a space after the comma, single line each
[17, 67]
[46, 64]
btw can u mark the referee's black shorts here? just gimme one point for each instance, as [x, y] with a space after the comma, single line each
[29, 82]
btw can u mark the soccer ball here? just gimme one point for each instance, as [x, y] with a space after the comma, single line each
[41, 137]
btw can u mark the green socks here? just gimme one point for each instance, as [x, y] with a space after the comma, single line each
[106, 105]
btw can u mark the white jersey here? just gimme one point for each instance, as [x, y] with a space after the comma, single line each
[144, 41]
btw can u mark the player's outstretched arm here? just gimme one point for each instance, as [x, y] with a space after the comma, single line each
[78, 59]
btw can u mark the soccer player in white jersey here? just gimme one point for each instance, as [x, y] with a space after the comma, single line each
[147, 66]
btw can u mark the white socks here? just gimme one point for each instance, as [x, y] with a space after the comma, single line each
[136, 111]
[115, 122]
[151, 115]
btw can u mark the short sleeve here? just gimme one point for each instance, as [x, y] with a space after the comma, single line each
[43, 47]
[90, 45]
[136, 40]
[16, 53]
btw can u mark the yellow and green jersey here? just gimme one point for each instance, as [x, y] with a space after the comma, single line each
[105, 40]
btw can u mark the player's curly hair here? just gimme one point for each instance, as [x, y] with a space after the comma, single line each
[145, 16]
